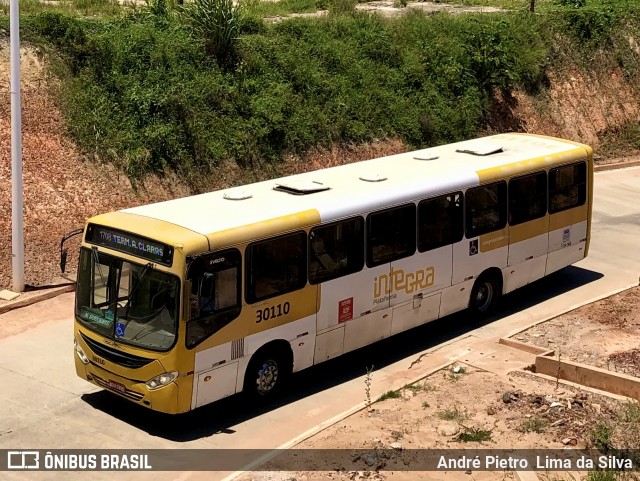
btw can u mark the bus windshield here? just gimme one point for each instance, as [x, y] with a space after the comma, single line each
[127, 302]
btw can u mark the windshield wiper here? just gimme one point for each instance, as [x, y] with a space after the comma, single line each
[96, 261]
[145, 269]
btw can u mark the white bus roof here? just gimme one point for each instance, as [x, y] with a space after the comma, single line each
[368, 185]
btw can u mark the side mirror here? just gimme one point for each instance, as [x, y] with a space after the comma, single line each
[63, 250]
[63, 260]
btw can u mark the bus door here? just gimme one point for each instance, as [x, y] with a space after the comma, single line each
[214, 302]
[418, 281]
[528, 230]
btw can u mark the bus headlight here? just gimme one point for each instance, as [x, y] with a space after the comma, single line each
[83, 357]
[161, 380]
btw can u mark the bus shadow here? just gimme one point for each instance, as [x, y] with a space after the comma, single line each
[219, 418]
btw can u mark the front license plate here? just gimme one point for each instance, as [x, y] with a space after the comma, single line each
[116, 386]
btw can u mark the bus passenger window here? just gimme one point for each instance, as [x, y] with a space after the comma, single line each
[527, 198]
[440, 221]
[276, 266]
[567, 187]
[215, 294]
[391, 235]
[336, 250]
[486, 209]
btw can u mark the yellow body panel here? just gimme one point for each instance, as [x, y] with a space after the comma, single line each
[529, 229]
[568, 217]
[269, 227]
[494, 240]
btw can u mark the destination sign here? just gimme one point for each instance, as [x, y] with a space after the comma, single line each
[130, 244]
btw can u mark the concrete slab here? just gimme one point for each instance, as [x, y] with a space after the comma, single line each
[6, 295]
[498, 358]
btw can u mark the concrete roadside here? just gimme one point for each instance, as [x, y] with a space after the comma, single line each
[37, 294]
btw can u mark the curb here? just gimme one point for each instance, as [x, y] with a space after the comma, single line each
[34, 296]
[619, 165]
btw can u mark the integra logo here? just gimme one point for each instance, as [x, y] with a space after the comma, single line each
[397, 280]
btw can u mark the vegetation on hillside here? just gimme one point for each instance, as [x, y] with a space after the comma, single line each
[182, 88]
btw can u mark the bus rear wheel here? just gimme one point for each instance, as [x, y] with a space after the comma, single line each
[266, 374]
[485, 294]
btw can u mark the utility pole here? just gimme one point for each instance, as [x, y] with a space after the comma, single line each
[17, 214]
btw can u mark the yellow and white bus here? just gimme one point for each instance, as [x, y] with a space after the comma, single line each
[185, 302]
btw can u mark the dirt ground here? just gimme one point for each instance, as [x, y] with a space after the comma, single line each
[516, 411]
[605, 334]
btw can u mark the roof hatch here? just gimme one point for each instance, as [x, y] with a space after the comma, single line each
[426, 157]
[237, 195]
[301, 187]
[481, 149]
[373, 177]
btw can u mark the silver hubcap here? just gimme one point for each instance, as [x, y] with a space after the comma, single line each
[484, 296]
[267, 377]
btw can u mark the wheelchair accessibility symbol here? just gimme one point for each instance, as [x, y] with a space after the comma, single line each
[473, 247]
[120, 329]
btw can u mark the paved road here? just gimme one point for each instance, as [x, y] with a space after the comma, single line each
[45, 406]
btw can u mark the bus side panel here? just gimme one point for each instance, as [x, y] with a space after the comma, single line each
[529, 243]
[456, 298]
[472, 257]
[367, 329]
[214, 375]
[353, 304]
[573, 244]
[214, 384]
[415, 280]
[567, 237]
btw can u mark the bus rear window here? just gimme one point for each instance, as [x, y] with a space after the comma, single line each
[567, 187]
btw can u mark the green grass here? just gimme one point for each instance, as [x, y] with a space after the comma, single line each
[283, 7]
[542, 6]
[417, 387]
[533, 425]
[602, 476]
[142, 94]
[630, 413]
[102, 8]
[452, 415]
[143, 89]
[473, 435]
[390, 395]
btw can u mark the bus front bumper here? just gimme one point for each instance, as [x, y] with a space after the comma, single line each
[163, 399]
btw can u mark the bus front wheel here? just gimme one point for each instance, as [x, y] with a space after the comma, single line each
[485, 294]
[266, 374]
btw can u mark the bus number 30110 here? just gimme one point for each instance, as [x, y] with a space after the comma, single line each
[272, 312]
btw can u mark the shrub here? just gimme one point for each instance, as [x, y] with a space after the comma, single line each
[217, 23]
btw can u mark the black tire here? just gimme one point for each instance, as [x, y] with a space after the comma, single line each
[267, 374]
[485, 294]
